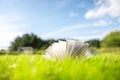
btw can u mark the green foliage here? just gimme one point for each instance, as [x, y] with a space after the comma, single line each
[41, 52]
[34, 67]
[94, 43]
[27, 40]
[48, 42]
[112, 39]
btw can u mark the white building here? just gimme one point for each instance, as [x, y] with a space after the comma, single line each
[26, 50]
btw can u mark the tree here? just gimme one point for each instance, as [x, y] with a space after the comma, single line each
[94, 43]
[112, 39]
[27, 40]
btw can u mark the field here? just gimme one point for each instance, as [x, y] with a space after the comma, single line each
[35, 67]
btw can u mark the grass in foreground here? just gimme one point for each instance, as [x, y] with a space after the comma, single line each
[34, 67]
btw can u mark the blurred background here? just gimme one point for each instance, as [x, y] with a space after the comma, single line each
[37, 24]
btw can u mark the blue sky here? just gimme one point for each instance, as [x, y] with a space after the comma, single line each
[55, 19]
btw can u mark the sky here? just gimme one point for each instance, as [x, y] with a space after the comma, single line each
[58, 19]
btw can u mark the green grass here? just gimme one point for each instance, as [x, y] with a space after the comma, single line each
[34, 67]
[109, 50]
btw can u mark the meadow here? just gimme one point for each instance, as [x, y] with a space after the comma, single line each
[104, 66]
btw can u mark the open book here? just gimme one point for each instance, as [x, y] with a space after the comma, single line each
[69, 48]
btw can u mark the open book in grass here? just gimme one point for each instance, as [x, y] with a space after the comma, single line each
[69, 48]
